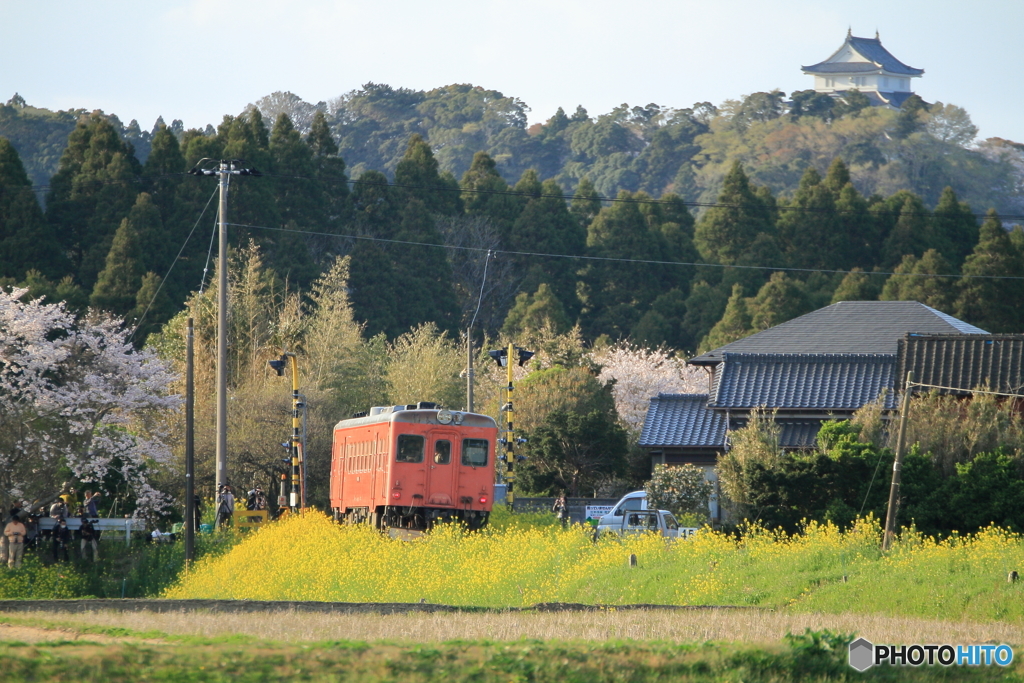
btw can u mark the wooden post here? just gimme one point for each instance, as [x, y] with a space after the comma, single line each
[897, 465]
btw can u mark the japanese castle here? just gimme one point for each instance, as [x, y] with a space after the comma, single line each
[863, 64]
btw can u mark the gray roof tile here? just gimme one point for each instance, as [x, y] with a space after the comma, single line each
[683, 420]
[820, 382]
[871, 327]
[792, 433]
[871, 49]
[964, 362]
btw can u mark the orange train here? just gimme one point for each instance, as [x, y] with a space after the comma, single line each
[407, 467]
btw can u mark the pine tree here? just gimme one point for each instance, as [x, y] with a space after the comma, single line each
[808, 230]
[426, 293]
[857, 286]
[855, 227]
[91, 193]
[298, 195]
[912, 234]
[955, 228]
[162, 173]
[992, 304]
[320, 139]
[911, 282]
[336, 206]
[616, 294]
[156, 248]
[117, 285]
[661, 325]
[779, 300]
[735, 324]
[418, 177]
[536, 314]
[152, 309]
[726, 230]
[27, 241]
[484, 193]
[585, 203]
[373, 290]
[837, 177]
[545, 226]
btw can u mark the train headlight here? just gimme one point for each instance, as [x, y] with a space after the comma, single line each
[396, 494]
[483, 499]
[444, 416]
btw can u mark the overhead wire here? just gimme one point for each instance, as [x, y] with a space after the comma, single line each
[873, 211]
[583, 257]
[142, 317]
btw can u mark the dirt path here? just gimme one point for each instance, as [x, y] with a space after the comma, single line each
[16, 633]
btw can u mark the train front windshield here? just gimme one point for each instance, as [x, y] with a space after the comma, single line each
[474, 452]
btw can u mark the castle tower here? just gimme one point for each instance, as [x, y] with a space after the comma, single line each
[863, 64]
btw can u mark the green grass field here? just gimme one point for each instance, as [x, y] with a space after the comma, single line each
[823, 585]
[113, 655]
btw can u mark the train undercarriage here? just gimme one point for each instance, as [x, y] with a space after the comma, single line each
[411, 518]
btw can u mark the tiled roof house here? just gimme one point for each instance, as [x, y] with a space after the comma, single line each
[827, 363]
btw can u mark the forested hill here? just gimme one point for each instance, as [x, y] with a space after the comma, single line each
[654, 149]
[688, 227]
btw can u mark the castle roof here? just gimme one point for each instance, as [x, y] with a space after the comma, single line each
[876, 59]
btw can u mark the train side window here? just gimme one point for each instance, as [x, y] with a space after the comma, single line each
[410, 448]
[442, 452]
[474, 452]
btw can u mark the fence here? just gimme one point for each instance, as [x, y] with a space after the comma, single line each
[577, 506]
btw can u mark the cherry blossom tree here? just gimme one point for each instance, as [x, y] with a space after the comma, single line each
[641, 374]
[77, 402]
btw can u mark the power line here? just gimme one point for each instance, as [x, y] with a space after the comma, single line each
[582, 257]
[142, 317]
[635, 200]
[566, 197]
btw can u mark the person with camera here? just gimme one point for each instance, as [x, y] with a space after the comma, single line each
[561, 510]
[14, 536]
[225, 505]
[61, 540]
[90, 537]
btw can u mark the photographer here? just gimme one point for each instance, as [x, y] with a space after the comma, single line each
[561, 510]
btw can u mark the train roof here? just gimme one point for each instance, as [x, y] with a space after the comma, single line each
[418, 415]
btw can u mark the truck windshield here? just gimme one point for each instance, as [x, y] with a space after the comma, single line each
[474, 452]
[628, 504]
[410, 448]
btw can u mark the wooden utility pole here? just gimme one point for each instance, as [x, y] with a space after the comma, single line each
[190, 464]
[897, 465]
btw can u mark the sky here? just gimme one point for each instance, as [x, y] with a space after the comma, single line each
[197, 60]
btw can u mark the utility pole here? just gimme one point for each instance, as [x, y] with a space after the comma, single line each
[190, 479]
[222, 329]
[469, 370]
[897, 465]
[224, 170]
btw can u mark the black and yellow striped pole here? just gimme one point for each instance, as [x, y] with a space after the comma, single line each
[510, 475]
[296, 499]
[504, 357]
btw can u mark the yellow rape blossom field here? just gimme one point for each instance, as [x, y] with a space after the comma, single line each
[822, 569]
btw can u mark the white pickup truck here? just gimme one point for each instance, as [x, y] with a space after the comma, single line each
[630, 516]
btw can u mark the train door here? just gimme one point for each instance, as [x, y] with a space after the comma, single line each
[442, 469]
